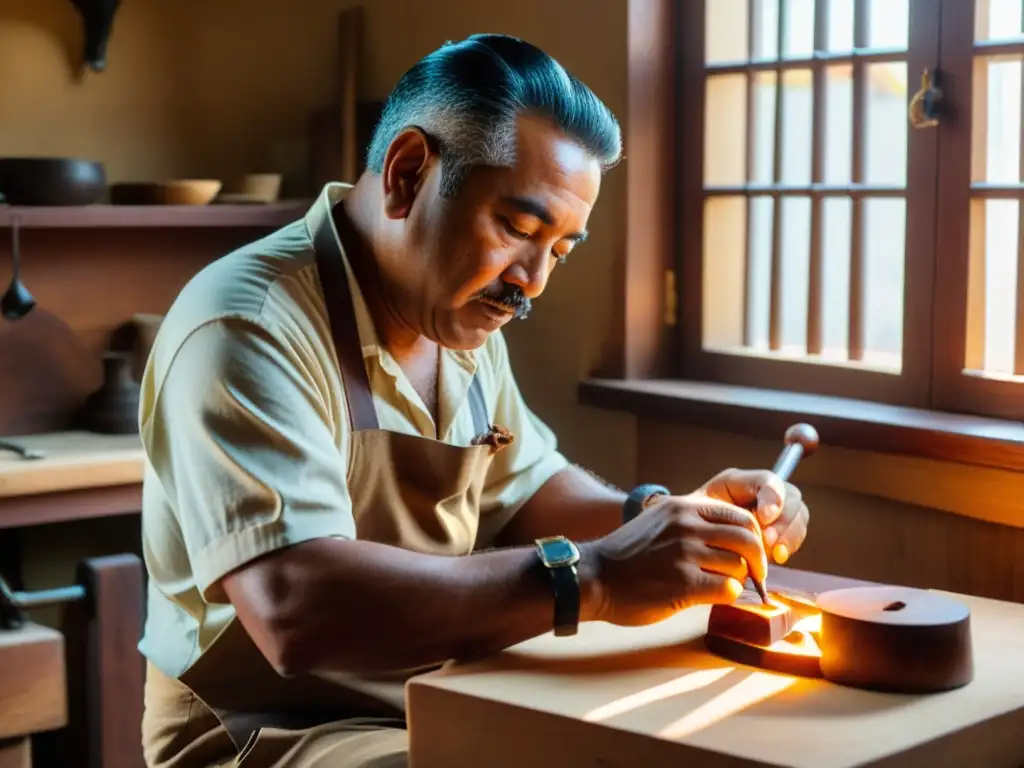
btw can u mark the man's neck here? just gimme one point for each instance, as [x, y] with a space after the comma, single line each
[356, 234]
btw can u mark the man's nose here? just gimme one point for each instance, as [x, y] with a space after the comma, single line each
[529, 272]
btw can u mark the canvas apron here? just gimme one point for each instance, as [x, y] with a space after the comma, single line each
[230, 707]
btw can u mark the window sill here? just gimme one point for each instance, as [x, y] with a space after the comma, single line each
[841, 422]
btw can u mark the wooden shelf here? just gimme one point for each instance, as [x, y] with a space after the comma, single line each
[270, 215]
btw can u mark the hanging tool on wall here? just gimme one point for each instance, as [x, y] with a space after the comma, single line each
[97, 23]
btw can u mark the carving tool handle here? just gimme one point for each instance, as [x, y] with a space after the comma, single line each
[800, 440]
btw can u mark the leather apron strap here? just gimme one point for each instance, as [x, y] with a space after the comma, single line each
[344, 329]
[345, 335]
[478, 405]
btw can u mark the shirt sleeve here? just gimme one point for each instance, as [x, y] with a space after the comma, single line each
[241, 438]
[518, 471]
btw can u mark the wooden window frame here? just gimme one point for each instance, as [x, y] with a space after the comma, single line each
[953, 388]
[912, 385]
[659, 368]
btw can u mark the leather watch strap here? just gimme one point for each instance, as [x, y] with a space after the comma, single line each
[639, 498]
[567, 600]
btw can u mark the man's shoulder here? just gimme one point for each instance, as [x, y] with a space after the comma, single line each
[241, 282]
[266, 289]
[264, 282]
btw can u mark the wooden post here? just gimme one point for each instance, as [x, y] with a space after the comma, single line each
[105, 670]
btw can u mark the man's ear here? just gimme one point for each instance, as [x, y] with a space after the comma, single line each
[405, 167]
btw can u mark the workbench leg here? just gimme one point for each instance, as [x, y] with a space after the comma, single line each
[11, 558]
[16, 753]
[105, 670]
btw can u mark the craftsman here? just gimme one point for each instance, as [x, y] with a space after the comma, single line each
[344, 484]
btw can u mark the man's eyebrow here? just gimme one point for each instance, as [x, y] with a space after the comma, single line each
[533, 207]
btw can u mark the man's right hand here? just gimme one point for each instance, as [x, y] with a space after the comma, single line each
[680, 551]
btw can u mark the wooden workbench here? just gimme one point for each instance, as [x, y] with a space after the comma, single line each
[83, 475]
[646, 697]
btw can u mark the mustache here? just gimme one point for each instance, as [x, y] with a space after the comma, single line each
[510, 296]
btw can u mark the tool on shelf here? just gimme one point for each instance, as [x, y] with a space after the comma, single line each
[21, 450]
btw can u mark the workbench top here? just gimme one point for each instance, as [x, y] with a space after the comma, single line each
[652, 696]
[73, 461]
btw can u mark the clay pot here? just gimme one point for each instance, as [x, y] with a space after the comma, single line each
[114, 408]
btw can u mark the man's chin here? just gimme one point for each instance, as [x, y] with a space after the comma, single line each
[470, 327]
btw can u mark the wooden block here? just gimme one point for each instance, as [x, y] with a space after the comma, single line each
[33, 694]
[750, 621]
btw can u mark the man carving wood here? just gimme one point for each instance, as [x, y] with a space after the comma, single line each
[344, 484]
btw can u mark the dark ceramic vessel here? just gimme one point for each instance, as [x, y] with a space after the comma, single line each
[48, 181]
[114, 407]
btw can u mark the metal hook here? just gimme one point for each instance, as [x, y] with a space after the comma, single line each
[926, 105]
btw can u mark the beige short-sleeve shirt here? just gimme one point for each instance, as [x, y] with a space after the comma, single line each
[246, 436]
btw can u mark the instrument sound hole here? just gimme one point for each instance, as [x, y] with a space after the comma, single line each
[897, 606]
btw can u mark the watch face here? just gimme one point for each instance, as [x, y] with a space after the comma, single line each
[559, 552]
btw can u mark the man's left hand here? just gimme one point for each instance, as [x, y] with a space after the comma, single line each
[779, 506]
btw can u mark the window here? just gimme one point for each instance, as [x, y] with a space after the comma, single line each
[831, 237]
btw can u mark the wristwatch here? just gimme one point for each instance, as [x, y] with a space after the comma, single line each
[559, 556]
[639, 498]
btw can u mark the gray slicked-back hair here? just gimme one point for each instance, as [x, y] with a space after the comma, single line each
[467, 96]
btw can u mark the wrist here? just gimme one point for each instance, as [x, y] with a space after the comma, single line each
[592, 594]
[640, 498]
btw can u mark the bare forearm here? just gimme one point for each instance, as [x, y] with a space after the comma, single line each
[336, 605]
[573, 503]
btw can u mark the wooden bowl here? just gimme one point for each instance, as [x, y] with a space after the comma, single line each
[179, 192]
[253, 188]
[51, 181]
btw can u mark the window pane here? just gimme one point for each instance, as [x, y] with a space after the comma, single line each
[840, 26]
[835, 258]
[796, 250]
[884, 246]
[838, 124]
[797, 119]
[997, 19]
[766, 29]
[799, 32]
[724, 228]
[997, 125]
[764, 128]
[725, 130]
[888, 23]
[725, 26]
[885, 121]
[1001, 223]
[993, 285]
[759, 287]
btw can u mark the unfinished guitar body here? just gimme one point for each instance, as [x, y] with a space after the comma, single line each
[895, 639]
[876, 637]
